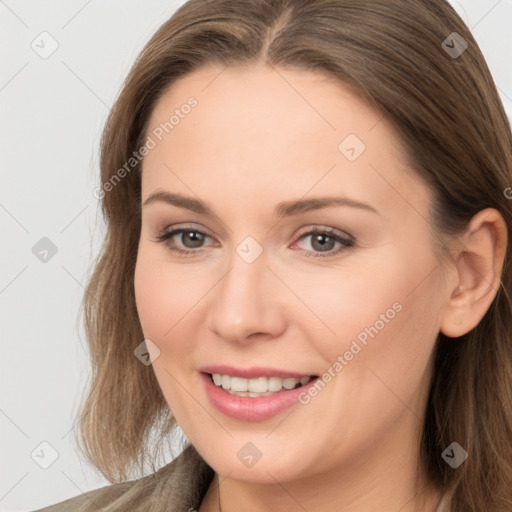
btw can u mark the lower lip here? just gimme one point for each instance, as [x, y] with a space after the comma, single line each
[248, 408]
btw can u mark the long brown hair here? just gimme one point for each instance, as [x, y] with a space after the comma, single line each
[447, 111]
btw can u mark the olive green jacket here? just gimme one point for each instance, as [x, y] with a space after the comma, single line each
[179, 486]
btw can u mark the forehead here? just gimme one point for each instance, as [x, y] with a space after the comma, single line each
[270, 130]
[261, 97]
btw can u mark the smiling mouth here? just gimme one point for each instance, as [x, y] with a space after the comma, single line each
[259, 386]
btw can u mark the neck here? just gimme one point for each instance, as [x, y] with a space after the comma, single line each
[253, 500]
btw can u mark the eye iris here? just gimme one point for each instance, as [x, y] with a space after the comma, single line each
[194, 237]
[324, 240]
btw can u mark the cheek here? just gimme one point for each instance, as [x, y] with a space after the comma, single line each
[382, 315]
[171, 303]
[163, 300]
[353, 303]
[164, 293]
[151, 298]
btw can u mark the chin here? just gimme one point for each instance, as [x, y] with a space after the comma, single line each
[243, 461]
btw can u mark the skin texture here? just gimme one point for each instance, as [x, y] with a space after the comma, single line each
[259, 136]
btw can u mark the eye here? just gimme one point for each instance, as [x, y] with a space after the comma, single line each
[191, 239]
[323, 241]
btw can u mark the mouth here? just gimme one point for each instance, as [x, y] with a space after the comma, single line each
[259, 386]
[255, 393]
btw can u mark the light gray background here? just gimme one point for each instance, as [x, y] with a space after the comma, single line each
[52, 113]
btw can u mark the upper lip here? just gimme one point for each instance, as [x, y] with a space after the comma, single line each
[252, 372]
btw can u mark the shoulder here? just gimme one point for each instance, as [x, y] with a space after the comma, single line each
[180, 485]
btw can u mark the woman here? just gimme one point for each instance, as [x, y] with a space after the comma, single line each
[307, 262]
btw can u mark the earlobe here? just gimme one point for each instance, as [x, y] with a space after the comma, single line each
[479, 267]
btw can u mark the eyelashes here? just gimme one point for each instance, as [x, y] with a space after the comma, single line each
[166, 237]
[323, 236]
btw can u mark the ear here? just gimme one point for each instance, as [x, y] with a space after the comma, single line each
[479, 263]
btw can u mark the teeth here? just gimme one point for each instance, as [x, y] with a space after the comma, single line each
[260, 386]
[226, 382]
[274, 384]
[290, 383]
[238, 384]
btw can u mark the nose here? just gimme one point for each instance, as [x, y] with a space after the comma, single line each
[245, 303]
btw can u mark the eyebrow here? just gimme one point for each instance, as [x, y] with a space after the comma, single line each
[283, 209]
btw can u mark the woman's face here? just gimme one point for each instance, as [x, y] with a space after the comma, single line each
[309, 254]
